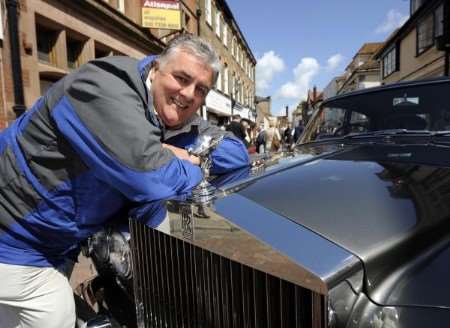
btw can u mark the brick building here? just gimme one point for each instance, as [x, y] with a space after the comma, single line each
[57, 36]
[420, 48]
[235, 89]
[54, 37]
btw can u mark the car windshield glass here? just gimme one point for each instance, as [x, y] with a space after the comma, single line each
[420, 107]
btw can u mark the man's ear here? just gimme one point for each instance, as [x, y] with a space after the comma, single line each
[154, 68]
[155, 64]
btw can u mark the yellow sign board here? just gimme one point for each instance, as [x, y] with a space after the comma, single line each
[161, 15]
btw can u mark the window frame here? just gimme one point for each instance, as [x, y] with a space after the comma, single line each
[225, 35]
[390, 62]
[219, 80]
[50, 44]
[439, 26]
[208, 12]
[218, 23]
[226, 79]
[415, 5]
[430, 39]
[77, 60]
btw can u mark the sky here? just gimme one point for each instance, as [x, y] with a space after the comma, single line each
[299, 44]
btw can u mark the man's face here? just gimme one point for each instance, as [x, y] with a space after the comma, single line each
[179, 87]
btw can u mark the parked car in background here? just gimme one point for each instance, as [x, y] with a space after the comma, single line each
[351, 229]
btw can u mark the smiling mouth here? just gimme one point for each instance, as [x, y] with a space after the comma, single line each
[179, 104]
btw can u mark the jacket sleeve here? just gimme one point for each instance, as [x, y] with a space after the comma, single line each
[151, 214]
[103, 116]
[231, 154]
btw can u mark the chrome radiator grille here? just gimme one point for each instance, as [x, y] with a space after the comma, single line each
[178, 285]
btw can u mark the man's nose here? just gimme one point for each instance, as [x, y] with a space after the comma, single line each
[188, 91]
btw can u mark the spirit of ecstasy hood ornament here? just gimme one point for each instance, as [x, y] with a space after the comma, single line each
[203, 193]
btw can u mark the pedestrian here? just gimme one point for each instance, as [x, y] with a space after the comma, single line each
[272, 137]
[110, 134]
[298, 130]
[236, 127]
[260, 142]
[246, 132]
[287, 136]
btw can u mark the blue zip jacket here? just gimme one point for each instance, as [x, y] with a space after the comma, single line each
[87, 148]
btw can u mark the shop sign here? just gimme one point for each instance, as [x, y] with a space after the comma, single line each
[161, 14]
[218, 103]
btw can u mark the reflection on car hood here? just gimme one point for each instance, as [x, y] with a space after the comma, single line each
[385, 211]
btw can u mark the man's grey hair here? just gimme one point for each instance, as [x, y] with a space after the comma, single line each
[195, 46]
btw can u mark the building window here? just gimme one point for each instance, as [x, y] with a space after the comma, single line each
[233, 42]
[208, 12]
[425, 34]
[225, 79]
[74, 50]
[102, 50]
[45, 82]
[186, 19]
[390, 62]
[439, 21]
[415, 4]
[232, 86]
[121, 6]
[218, 23]
[219, 80]
[46, 41]
[225, 35]
[100, 53]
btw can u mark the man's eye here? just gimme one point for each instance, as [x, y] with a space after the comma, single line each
[203, 91]
[181, 79]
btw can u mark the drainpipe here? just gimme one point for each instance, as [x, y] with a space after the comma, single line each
[13, 24]
[199, 15]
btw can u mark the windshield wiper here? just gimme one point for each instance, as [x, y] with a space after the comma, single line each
[389, 133]
[441, 138]
[393, 136]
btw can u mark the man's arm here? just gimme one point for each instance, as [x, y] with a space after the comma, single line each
[182, 154]
[103, 118]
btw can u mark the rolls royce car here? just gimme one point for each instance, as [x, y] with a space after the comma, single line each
[349, 229]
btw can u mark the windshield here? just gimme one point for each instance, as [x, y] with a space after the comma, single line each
[417, 108]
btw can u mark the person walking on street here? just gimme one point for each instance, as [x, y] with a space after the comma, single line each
[298, 130]
[260, 142]
[287, 136]
[112, 133]
[273, 138]
[237, 128]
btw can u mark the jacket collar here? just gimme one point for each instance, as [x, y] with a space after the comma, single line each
[192, 125]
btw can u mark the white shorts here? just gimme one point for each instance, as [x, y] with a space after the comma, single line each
[32, 297]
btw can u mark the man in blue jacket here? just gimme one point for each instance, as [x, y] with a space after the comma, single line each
[112, 133]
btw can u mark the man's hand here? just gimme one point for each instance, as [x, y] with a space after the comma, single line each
[182, 154]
